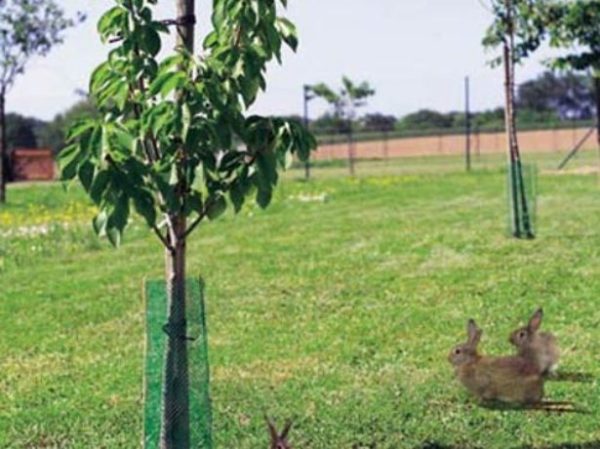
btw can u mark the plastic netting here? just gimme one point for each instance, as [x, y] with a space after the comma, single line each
[522, 202]
[156, 340]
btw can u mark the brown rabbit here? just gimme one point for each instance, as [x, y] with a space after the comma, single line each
[508, 379]
[279, 440]
[539, 347]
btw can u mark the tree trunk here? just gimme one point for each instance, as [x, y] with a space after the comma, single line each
[3, 147]
[175, 432]
[175, 426]
[520, 208]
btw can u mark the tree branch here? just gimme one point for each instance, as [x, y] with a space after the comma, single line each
[162, 238]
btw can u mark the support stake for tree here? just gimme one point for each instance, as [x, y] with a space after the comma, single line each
[467, 126]
[307, 97]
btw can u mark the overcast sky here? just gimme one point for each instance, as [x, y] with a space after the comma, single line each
[415, 53]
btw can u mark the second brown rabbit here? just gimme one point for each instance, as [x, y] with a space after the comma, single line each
[539, 347]
[512, 379]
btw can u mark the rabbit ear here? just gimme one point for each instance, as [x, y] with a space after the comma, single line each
[536, 320]
[272, 429]
[473, 333]
[286, 429]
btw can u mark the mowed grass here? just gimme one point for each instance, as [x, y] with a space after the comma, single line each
[335, 307]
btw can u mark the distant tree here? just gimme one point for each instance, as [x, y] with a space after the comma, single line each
[345, 102]
[27, 28]
[379, 122]
[329, 123]
[569, 95]
[21, 131]
[425, 119]
[53, 135]
[573, 27]
[489, 119]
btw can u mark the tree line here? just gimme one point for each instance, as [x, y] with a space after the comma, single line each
[552, 98]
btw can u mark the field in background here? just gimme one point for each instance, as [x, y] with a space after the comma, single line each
[547, 162]
[377, 145]
[337, 306]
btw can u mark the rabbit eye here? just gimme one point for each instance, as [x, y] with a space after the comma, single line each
[521, 334]
[457, 351]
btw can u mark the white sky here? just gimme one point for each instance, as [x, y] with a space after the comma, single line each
[415, 53]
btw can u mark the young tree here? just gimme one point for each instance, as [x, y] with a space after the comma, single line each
[27, 28]
[518, 29]
[173, 142]
[345, 102]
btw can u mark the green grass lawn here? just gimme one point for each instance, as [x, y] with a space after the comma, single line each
[337, 306]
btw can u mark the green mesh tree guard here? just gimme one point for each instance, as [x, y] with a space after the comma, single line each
[521, 195]
[156, 338]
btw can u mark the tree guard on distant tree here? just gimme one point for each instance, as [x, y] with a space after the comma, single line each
[344, 103]
[27, 28]
[174, 143]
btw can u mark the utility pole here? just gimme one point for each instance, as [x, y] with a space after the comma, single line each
[308, 95]
[467, 126]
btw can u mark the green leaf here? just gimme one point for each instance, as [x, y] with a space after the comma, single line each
[263, 197]
[144, 205]
[99, 186]
[186, 119]
[86, 175]
[114, 236]
[68, 160]
[151, 42]
[80, 127]
[99, 222]
[117, 220]
[194, 203]
[111, 22]
[211, 40]
[288, 32]
[216, 208]
[165, 83]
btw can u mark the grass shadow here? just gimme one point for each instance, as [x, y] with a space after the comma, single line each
[544, 406]
[436, 445]
[567, 376]
[588, 445]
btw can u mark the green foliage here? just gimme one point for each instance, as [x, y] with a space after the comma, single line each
[344, 103]
[22, 131]
[528, 24]
[379, 122]
[567, 96]
[573, 25]
[426, 119]
[173, 136]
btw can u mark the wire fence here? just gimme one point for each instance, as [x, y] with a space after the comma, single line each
[348, 149]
